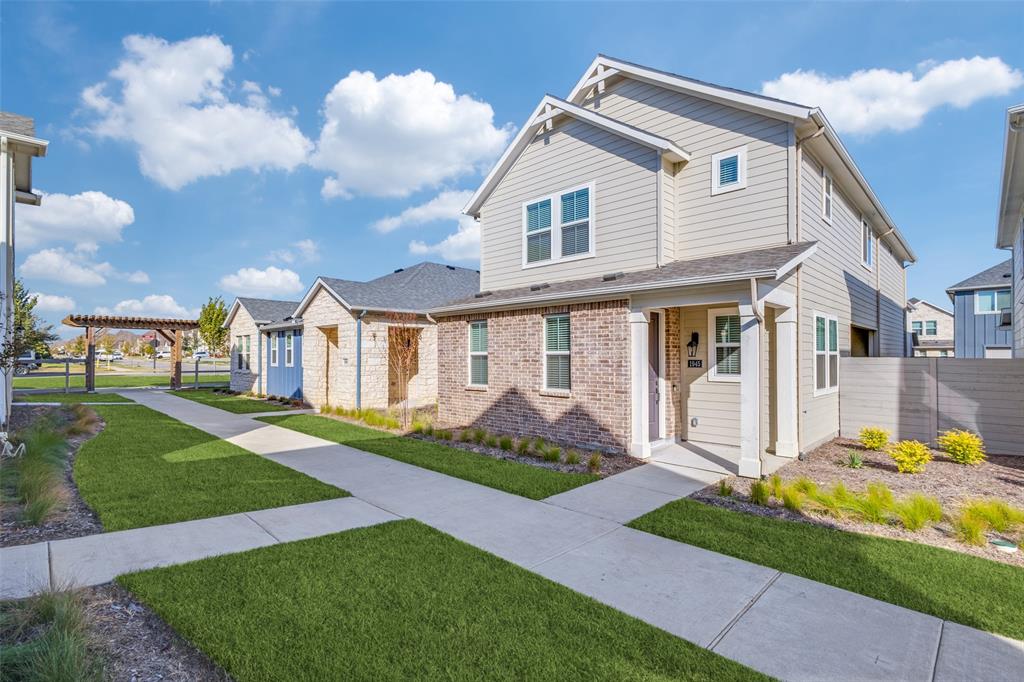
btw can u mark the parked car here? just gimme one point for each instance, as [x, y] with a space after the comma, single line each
[116, 355]
[161, 354]
[200, 355]
[26, 362]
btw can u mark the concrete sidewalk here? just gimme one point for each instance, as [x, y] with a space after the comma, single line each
[776, 623]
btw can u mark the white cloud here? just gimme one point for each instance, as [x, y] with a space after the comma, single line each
[305, 250]
[873, 100]
[154, 305]
[271, 282]
[50, 303]
[85, 219]
[444, 206]
[173, 103]
[461, 245]
[393, 136]
[76, 268]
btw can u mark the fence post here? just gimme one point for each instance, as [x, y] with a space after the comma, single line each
[67, 375]
[933, 370]
[196, 384]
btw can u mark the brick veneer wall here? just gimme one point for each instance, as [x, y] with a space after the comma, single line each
[594, 414]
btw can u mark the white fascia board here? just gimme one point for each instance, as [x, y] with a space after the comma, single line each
[795, 261]
[308, 298]
[549, 108]
[1011, 195]
[743, 100]
[232, 311]
[25, 143]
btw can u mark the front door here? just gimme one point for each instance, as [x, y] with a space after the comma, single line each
[653, 375]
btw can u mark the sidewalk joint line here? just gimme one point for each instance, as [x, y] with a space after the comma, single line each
[262, 527]
[729, 626]
[575, 547]
[935, 663]
[49, 564]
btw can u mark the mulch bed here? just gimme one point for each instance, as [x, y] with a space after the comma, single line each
[137, 646]
[953, 484]
[74, 518]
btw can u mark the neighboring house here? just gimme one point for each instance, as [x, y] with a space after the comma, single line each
[981, 307]
[18, 146]
[348, 328]
[257, 325]
[1010, 228]
[932, 329]
[663, 259]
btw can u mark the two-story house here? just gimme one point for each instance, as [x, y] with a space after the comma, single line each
[1010, 227]
[981, 309]
[668, 261]
[932, 329]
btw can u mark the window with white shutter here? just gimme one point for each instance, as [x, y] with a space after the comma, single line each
[273, 349]
[289, 349]
[559, 227]
[724, 328]
[557, 360]
[478, 353]
[575, 223]
[538, 231]
[826, 353]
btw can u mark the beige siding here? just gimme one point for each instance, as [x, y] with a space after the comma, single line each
[246, 379]
[750, 218]
[668, 211]
[892, 304]
[715, 404]
[1018, 292]
[625, 199]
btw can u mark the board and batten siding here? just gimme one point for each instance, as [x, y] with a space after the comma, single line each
[751, 218]
[282, 379]
[973, 332]
[574, 153]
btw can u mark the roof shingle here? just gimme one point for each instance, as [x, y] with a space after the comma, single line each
[420, 287]
[997, 275]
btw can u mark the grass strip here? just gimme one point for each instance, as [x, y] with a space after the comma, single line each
[404, 601]
[70, 398]
[229, 403]
[513, 477]
[950, 585]
[116, 380]
[146, 468]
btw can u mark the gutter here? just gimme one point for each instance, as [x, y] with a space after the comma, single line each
[359, 360]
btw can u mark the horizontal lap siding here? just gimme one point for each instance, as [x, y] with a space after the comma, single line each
[715, 404]
[893, 301]
[706, 225]
[625, 200]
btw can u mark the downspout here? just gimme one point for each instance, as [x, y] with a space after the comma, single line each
[259, 362]
[359, 360]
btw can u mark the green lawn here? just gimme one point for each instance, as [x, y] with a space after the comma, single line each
[513, 477]
[70, 398]
[961, 588]
[146, 468]
[403, 601]
[116, 380]
[229, 403]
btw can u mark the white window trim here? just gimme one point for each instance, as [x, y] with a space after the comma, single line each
[545, 353]
[918, 323]
[865, 226]
[814, 346]
[289, 349]
[935, 327]
[997, 311]
[741, 171]
[472, 353]
[273, 349]
[713, 345]
[828, 189]
[556, 227]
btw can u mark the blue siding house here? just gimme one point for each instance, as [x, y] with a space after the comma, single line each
[284, 360]
[981, 309]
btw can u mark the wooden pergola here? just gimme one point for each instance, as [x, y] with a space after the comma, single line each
[169, 329]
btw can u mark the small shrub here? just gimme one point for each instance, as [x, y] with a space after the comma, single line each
[325, 409]
[443, 434]
[854, 461]
[539, 444]
[479, 436]
[724, 489]
[465, 435]
[417, 427]
[825, 501]
[775, 485]
[910, 456]
[572, 457]
[491, 441]
[594, 462]
[523, 447]
[428, 429]
[917, 511]
[873, 438]
[969, 529]
[298, 403]
[998, 515]
[805, 485]
[505, 443]
[792, 499]
[963, 447]
[759, 492]
[873, 506]
[553, 454]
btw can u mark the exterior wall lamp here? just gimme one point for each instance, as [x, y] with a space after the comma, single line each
[691, 347]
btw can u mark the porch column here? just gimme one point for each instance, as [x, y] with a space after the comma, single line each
[787, 441]
[640, 445]
[750, 394]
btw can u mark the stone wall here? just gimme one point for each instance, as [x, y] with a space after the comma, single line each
[595, 413]
[245, 379]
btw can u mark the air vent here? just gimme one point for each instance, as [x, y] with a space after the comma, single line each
[1007, 276]
[538, 287]
[482, 294]
[399, 270]
[450, 267]
[611, 277]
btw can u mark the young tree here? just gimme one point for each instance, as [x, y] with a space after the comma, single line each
[29, 332]
[78, 346]
[107, 345]
[403, 349]
[211, 325]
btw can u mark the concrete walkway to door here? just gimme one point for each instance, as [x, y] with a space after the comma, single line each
[783, 625]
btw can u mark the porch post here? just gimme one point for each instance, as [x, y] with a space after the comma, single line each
[787, 441]
[640, 445]
[750, 393]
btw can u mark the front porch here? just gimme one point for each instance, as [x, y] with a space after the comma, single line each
[714, 377]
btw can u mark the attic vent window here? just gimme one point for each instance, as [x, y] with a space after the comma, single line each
[399, 270]
[538, 287]
[450, 267]
[612, 276]
[482, 294]
[729, 171]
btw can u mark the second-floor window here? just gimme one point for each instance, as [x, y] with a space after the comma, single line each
[931, 328]
[867, 244]
[559, 227]
[917, 326]
[827, 192]
[991, 301]
[273, 349]
[729, 171]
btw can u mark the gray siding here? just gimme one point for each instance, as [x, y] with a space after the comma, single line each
[755, 217]
[1018, 292]
[975, 332]
[625, 175]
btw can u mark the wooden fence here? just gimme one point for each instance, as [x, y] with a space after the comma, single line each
[918, 398]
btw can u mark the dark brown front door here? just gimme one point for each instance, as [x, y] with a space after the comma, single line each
[653, 373]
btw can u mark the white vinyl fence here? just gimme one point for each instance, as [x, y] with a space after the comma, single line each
[918, 398]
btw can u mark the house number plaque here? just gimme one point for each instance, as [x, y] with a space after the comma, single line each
[695, 363]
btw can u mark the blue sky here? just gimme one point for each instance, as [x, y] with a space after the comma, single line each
[213, 149]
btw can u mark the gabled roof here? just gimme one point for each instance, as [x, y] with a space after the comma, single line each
[262, 310]
[1011, 194]
[19, 134]
[770, 263]
[995, 276]
[549, 108]
[914, 302]
[415, 289]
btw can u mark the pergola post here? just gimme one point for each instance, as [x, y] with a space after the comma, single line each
[90, 359]
[176, 361]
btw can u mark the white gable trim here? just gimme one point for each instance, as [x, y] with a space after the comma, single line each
[317, 286]
[1011, 194]
[549, 108]
[232, 311]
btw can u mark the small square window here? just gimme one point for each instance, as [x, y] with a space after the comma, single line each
[729, 171]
